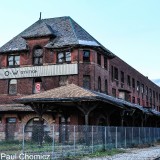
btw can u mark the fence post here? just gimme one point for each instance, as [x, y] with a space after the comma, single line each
[53, 143]
[105, 136]
[74, 140]
[125, 143]
[23, 139]
[92, 139]
[116, 137]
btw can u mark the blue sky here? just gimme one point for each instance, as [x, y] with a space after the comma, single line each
[129, 28]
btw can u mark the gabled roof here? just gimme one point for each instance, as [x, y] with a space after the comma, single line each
[63, 30]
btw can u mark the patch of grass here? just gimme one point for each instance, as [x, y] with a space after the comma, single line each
[96, 154]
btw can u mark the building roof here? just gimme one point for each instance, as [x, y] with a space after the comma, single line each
[14, 107]
[63, 30]
[74, 93]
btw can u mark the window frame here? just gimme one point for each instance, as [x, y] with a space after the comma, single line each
[14, 60]
[40, 58]
[10, 85]
[64, 57]
[88, 57]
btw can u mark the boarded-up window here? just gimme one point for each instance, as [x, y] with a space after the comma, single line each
[13, 86]
[63, 80]
[86, 81]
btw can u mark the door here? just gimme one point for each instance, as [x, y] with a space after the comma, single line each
[10, 128]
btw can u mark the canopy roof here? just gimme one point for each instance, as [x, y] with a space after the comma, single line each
[74, 93]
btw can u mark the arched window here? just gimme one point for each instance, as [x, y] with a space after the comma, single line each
[106, 86]
[99, 84]
[38, 56]
[37, 86]
[12, 86]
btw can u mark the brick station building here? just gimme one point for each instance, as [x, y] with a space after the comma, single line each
[57, 52]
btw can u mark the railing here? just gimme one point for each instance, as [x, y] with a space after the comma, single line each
[54, 141]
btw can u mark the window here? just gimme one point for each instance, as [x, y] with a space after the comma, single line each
[64, 57]
[146, 90]
[113, 92]
[156, 96]
[86, 81]
[86, 56]
[105, 62]
[138, 101]
[142, 88]
[63, 80]
[37, 85]
[133, 99]
[122, 76]
[99, 84]
[128, 80]
[106, 86]
[115, 73]
[13, 60]
[99, 58]
[38, 56]
[133, 82]
[13, 86]
[138, 86]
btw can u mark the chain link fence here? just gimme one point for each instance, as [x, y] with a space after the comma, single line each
[58, 141]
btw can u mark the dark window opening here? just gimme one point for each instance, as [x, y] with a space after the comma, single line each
[128, 80]
[122, 76]
[138, 86]
[115, 73]
[13, 60]
[86, 56]
[105, 62]
[106, 86]
[13, 87]
[99, 84]
[133, 82]
[138, 101]
[99, 58]
[38, 56]
[113, 92]
[86, 81]
[133, 99]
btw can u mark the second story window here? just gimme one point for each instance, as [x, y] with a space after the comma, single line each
[38, 56]
[105, 62]
[64, 57]
[115, 73]
[13, 60]
[128, 80]
[122, 76]
[98, 58]
[86, 56]
[12, 90]
[99, 84]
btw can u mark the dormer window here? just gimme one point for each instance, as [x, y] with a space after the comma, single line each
[64, 57]
[13, 60]
[38, 56]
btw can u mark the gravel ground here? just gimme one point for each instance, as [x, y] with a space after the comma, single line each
[151, 153]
